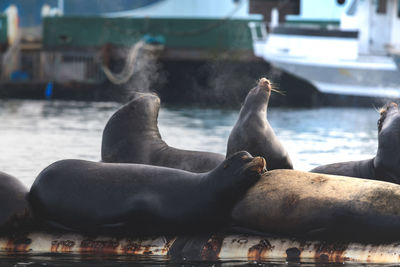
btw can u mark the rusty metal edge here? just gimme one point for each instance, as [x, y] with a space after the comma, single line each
[211, 247]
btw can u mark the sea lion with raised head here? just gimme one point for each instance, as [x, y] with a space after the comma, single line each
[302, 204]
[253, 133]
[385, 166]
[132, 136]
[95, 197]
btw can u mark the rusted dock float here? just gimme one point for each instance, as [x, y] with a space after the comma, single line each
[216, 247]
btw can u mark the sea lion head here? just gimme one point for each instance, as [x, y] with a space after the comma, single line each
[387, 113]
[237, 173]
[128, 127]
[142, 105]
[387, 160]
[258, 97]
[139, 114]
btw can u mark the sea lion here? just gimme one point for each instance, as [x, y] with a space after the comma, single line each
[309, 205]
[385, 166]
[132, 136]
[253, 133]
[95, 197]
[15, 212]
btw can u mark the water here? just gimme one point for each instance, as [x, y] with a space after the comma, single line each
[35, 134]
[132, 260]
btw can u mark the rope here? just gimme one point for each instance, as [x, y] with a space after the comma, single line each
[9, 61]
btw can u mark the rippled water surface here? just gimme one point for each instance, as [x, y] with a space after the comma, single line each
[33, 134]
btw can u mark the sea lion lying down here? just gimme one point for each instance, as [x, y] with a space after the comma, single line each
[15, 214]
[95, 197]
[295, 203]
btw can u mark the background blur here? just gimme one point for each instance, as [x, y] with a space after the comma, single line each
[203, 52]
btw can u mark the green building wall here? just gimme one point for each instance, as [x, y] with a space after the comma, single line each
[3, 29]
[178, 33]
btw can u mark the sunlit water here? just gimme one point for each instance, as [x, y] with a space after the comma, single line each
[34, 134]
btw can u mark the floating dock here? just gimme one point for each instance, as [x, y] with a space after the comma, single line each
[216, 247]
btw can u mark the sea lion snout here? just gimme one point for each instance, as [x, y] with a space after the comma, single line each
[259, 165]
[254, 164]
[264, 82]
[390, 110]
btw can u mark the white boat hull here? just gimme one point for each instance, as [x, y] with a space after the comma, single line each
[331, 60]
[350, 78]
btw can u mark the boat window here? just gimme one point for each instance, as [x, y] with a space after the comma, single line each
[352, 9]
[381, 6]
[341, 2]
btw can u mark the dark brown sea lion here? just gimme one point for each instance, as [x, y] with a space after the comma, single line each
[253, 133]
[15, 213]
[385, 166]
[93, 197]
[132, 136]
[295, 203]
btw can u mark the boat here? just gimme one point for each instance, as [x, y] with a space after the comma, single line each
[341, 47]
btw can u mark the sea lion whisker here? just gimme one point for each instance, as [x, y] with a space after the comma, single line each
[278, 91]
[376, 109]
